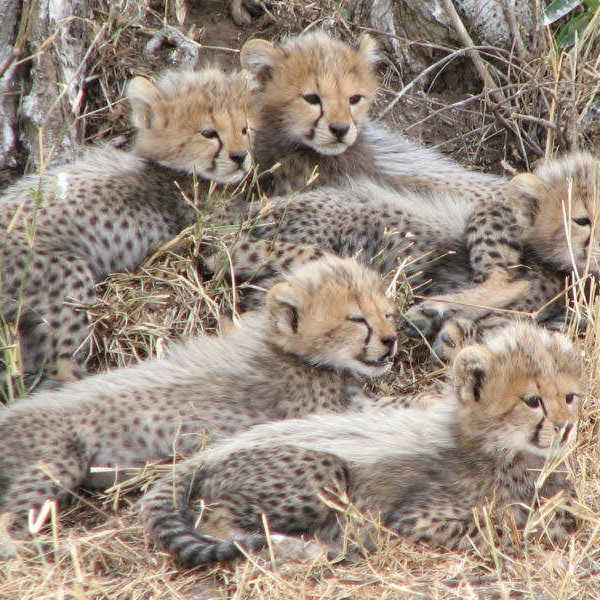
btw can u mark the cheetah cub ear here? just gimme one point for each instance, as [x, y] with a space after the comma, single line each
[529, 185]
[259, 56]
[142, 95]
[285, 302]
[470, 369]
[369, 49]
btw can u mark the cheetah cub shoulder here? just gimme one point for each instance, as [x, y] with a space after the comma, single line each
[512, 407]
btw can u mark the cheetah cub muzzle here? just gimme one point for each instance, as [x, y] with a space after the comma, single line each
[511, 408]
[323, 328]
[64, 231]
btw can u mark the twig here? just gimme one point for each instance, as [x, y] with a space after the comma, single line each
[509, 13]
[538, 120]
[21, 39]
[16, 53]
[489, 85]
[480, 65]
[440, 63]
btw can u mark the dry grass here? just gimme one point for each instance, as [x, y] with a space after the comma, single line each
[98, 549]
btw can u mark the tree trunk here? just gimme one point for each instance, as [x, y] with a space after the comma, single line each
[41, 89]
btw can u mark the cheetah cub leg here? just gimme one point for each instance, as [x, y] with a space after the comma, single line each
[494, 236]
[218, 523]
[497, 291]
[38, 482]
[282, 485]
[58, 338]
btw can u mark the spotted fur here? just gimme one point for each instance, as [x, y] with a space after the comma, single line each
[323, 328]
[67, 229]
[512, 405]
[315, 95]
[510, 252]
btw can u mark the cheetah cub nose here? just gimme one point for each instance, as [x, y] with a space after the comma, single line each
[238, 157]
[339, 130]
[389, 341]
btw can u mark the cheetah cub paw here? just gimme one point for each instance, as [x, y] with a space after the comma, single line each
[453, 337]
[426, 319]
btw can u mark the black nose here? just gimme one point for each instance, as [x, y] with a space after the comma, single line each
[389, 341]
[238, 157]
[339, 130]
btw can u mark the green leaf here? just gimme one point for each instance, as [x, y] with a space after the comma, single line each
[566, 36]
[592, 4]
[559, 8]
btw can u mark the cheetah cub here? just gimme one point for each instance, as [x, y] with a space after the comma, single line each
[512, 406]
[66, 230]
[324, 327]
[510, 252]
[315, 96]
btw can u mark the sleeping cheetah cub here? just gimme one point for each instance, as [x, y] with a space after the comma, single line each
[323, 327]
[512, 251]
[316, 93]
[512, 406]
[64, 231]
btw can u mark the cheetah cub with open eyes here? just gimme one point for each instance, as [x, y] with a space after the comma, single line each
[64, 231]
[315, 95]
[513, 404]
[323, 328]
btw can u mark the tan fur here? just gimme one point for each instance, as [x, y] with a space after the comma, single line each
[294, 358]
[567, 217]
[174, 116]
[313, 86]
[420, 473]
[340, 78]
[66, 230]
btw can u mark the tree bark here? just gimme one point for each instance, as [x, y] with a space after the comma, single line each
[10, 14]
[42, 52]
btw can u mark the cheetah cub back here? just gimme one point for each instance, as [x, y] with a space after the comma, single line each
[323, 328]
[65, 230]
[511, 407]
[314, 101]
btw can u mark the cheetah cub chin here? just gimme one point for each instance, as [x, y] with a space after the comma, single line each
[511, 408]
[315, 96]
[325, 325]
[67, 229]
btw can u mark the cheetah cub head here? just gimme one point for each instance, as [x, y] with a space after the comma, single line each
[520, 392]
[195, 121]
[316, 90]
[333, 313]
[565, 197]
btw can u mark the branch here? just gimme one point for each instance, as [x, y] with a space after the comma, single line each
[482, 68]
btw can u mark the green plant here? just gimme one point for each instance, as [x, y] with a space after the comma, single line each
[574, 27]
